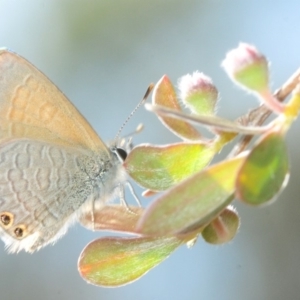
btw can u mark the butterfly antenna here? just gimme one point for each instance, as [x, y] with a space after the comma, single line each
[150, 88]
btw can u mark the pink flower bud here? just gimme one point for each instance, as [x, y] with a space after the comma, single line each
[198, 93]
[246, 66]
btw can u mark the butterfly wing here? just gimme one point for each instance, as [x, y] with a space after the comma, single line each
[41, 188]
[31, 106]
[42, 137]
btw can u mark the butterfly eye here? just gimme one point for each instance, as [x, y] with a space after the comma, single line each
[20, 231]
[122, 154]
[6, 219]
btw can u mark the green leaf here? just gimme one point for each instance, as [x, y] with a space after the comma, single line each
[265, 171]
[194, 202]
[164, 94]
[160, 167]
[115, 261]
[223, 229]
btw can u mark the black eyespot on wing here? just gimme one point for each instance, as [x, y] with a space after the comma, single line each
[19, 232]
[6, 219]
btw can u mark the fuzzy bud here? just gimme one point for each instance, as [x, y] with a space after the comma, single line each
[246, 66]
[198, 93]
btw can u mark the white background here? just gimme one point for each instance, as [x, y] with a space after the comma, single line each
[103, 55]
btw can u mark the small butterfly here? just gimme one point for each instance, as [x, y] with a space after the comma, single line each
[53, 165]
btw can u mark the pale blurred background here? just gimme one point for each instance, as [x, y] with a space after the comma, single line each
[103, 55]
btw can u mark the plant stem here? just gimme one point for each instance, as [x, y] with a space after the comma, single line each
[257, 116]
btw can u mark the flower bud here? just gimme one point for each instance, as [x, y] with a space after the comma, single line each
[246, 66]
[198, 93]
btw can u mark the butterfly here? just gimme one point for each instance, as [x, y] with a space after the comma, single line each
[53, 165]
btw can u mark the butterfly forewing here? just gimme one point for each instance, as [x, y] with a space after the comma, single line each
[31, 106]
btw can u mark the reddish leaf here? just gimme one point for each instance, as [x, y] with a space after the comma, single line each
[223, 229]
[115, 261]
[164, 94]
[112, 217]
[194, 202]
